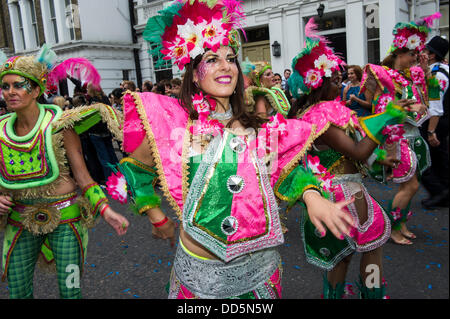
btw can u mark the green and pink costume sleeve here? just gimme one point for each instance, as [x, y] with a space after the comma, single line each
[225, 196]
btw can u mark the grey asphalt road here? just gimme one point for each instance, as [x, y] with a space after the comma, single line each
[137, 266]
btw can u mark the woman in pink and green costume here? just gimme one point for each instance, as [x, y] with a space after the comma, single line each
[217, 173]
[262, 96]
[400, 78]
[40, 211]
[340, 149]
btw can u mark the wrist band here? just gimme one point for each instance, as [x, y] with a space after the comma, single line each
[159, 224]
[103, 209]
[309, 191]
[94, 194]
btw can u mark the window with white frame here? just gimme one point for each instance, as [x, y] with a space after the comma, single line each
[53, 22]
[21, 39]
[34, 23]
[70, 19]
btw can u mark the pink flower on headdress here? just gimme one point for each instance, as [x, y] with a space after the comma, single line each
[414, 42]
[215, 34]
[116, 185]
[325, 64]
[400, 41]
[394, 133]
[192, 33]
[179, 51]
[313, 78]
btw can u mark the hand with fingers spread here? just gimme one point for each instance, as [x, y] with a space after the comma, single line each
[323, 212]
[5, 204]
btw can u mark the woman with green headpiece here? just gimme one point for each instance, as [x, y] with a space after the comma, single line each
[262, 95]
[40, 210]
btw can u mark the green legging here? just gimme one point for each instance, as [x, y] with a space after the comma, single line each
[66, 250]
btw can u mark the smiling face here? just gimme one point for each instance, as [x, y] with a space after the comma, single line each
[217, 73]
[19, 92]
[267, 79]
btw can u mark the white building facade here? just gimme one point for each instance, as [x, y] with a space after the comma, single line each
[109, 32]
[99, 30]
[361, 30]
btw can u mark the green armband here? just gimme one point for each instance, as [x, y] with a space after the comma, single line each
[373, 125]
[95, 196]
[297, 183]
[140, 184]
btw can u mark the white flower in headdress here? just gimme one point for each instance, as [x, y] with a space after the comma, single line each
[192, 33]
[323, 63]
[413, 42]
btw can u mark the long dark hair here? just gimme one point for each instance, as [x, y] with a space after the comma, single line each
[188, 89]
[315, 96]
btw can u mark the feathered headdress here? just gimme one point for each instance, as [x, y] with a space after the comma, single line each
[255, 70]
[42, 69]
[412, 35]
[315, 61]
[186, 28]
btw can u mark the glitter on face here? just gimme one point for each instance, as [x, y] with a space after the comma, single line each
[209, 61]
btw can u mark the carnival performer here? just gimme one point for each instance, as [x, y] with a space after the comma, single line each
[217, 173]
[400, 78]
[341, 147]
[43, 216]
[262, 95]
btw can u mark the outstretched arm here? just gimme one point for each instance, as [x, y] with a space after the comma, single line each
[336, 138]
[82, 177]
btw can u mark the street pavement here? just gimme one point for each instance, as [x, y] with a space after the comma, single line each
[137, 266]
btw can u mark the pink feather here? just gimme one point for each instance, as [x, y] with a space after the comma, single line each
[311, 30]
[78, 68]
[430, 19]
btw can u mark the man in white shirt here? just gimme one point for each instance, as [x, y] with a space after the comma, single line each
[435, 179]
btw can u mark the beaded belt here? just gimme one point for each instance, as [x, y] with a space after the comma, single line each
[45, 214]
[216, 279]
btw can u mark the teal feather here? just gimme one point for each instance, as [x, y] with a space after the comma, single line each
[46, 56]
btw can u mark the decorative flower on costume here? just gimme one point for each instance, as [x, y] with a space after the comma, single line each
[383, 101]
[412, 35]
[187, 28]
[116, 185]
[394, 133]
[204, 125]
[321, 173]
[315, 61]
[396, 214]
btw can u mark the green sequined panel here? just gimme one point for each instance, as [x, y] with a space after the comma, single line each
[327, 157]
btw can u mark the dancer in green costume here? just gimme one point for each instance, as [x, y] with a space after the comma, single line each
[262, 95]
[40, 210]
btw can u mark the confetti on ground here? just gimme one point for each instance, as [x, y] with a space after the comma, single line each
[430, 286]
[388, 257]
[126, 290]
[420, 250]
[136, 296]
